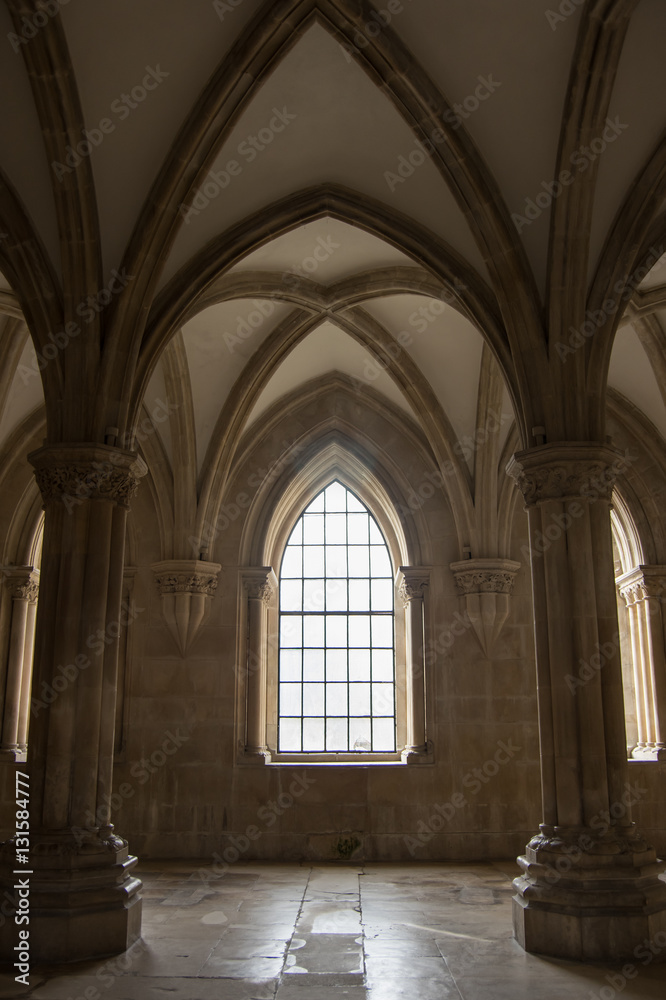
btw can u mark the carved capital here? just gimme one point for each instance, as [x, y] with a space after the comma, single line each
[71, 474]
[485, 576]
[567, 471]
[22, 582]
[186, 576]
[413, 581]
[28, 591]
[186, 587]
[260, 584]
[641, 583]
[486, 586]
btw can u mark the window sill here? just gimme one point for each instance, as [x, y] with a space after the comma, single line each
[270, 758]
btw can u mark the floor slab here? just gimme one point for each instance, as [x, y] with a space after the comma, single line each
[267, 931]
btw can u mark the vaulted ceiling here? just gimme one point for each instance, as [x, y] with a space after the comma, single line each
[201, 117]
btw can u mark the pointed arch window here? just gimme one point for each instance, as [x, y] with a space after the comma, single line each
[336, 656]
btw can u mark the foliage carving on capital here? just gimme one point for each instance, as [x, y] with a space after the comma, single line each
[26, 591]
[567, 472]
[259, 585]
[412, 584]
[72, 474]
[259, 591]
[74, 483]
[486, 585]
[186, 587]
[485, 576]
[484, 582]
[22, 583]
[186, 583]
[641, 583]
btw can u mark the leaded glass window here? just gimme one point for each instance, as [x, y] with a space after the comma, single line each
[336, 653]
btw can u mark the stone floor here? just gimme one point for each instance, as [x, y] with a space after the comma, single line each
[332, 932]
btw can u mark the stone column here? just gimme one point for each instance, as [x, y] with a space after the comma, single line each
[412, 586]
[84, 901]
[590, 888]
[23, 583]
[260, 586]
[26, 679]
[643, 590]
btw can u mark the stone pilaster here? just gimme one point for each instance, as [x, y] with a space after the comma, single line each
[84, 901]
[643, 590]
[414, 582]
[590, 888]
[260, 586]
[23, 585]
[486, 586]
[186, 587]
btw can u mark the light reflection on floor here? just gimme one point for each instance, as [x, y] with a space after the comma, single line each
[265, 931]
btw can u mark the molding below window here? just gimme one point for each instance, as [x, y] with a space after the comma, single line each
[410, 756]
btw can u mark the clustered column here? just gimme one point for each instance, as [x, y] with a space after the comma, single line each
[84, 899]
[643, 590]
[590, 888]
[23, 585]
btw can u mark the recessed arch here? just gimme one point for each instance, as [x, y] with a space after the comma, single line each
[332, 453]
[257, 373]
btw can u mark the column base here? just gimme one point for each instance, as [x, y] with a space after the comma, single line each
[655, 751]
[591, 898]
[255, 755]
[83, 901]
[417, 755]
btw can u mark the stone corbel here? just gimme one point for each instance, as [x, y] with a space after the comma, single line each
[186, 587]
[486, 586]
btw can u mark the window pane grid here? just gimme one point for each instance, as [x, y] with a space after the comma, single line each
[336, 614]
